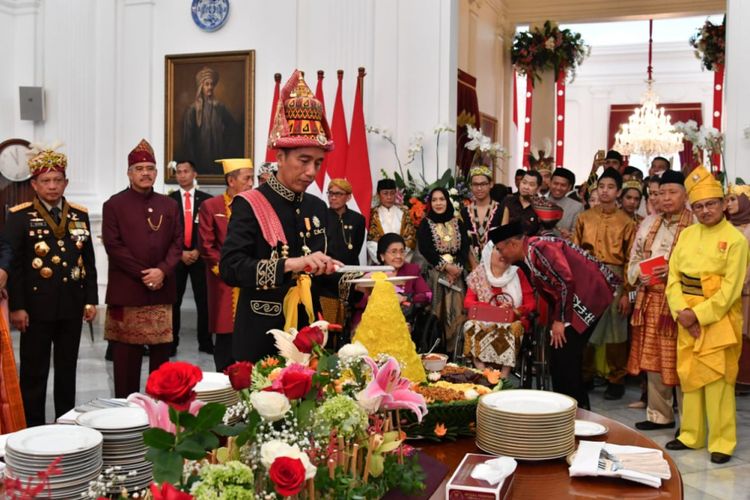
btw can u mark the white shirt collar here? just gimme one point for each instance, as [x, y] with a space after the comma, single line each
[191, 191]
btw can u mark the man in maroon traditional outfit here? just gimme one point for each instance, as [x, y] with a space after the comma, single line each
[213, 219]
[143, 240]
[554, 264]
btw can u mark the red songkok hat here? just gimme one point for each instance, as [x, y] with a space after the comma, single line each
[142, 153]
[546, 210]
[299, 120]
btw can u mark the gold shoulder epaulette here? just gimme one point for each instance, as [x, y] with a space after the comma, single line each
[21, 206]
[78, 207]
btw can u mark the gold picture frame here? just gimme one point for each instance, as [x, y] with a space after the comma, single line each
[209, 110]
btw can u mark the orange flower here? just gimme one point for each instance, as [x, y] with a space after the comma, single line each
[416, 212]
[493, 376]
[269, 362]
[440, 430]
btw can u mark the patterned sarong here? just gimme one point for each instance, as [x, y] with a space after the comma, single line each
[143, 325]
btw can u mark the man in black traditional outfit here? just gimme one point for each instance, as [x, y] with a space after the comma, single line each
[276, 240]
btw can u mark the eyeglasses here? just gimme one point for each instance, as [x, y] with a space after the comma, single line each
[396, 252]
[709, 205]
[334, 194]
[480, 184]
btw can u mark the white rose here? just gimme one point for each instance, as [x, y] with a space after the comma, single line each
[272, 450]
[453, 191]
[275, 448]
[352, 351]
[272, 406]
[370, 405]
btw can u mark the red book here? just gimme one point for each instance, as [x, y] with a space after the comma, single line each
[647, 267]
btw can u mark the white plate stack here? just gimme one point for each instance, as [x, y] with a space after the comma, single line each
[31, 450]
[526, 424]
[216, 388]
[123, 446]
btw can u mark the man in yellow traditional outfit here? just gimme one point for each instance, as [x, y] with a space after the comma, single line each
[706, 274]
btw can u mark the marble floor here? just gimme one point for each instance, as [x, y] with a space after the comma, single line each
[702, 479]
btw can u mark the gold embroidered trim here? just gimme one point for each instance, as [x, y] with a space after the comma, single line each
[265, 273]
[282, 190]
[265, 308]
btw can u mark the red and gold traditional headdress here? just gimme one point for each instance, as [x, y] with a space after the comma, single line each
[142, 153]
[299, 120]
[45, 159]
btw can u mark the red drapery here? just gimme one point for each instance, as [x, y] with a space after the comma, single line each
[468, 113]
[679, 112]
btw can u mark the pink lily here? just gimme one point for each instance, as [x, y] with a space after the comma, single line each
[158, 411]
[392, 390]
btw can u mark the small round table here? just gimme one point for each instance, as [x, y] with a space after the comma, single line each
[549, 480]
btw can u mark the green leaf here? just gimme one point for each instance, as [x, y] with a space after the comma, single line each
[207, 440]
[209, 416]
[158, 438]
[187, 421]
[322, 364]
[229, 430]
[249, 433]
[167, 465]
[376, 465]
[191, 448]
[305, 410]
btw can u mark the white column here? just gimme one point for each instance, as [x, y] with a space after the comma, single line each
[736, 97]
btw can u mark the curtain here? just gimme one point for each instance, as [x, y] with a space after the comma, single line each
[467, 107]
[679, 112]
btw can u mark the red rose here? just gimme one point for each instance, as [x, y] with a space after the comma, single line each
[240, 374]
[168, 492]
[307, 337]
[294, 381]
[173, 383]
[288, 475]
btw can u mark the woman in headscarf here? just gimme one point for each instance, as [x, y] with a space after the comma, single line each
[442, 241]
[738, 213]
[494, 282]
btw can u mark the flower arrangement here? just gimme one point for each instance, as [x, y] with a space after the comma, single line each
[704, 138]
[709, 44]
[548, 47]
[314, 425]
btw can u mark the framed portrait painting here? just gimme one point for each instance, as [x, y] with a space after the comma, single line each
[209, 108]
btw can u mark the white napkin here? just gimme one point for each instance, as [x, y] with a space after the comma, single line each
[586, 463]
[494, 471]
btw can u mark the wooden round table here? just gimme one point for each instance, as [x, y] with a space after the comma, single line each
[549, 480]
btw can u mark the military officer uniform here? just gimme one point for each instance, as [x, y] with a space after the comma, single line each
[53, 277]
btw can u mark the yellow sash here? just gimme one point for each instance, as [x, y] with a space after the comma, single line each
[715, 354]
[299, 294]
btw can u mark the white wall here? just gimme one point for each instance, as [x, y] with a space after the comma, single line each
[101, 63]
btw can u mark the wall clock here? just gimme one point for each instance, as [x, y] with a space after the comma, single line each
[210, 15]
[14, 157]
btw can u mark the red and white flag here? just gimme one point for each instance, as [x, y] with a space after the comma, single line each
[270, 152]
[320, 179]
[357, 158]
[336, 159]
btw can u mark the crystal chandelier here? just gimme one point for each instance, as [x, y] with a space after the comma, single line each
[649, 132]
